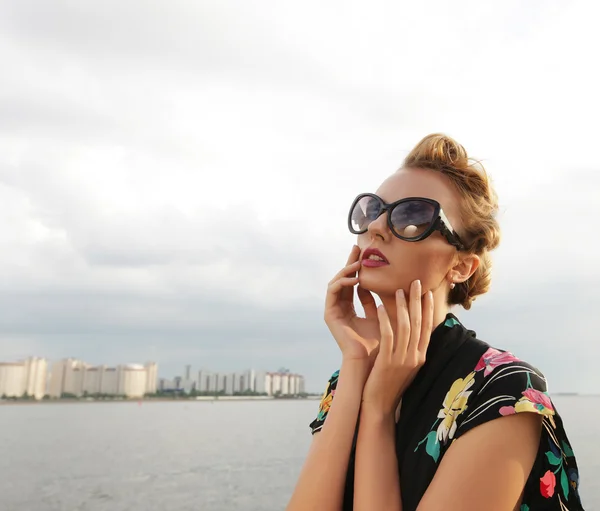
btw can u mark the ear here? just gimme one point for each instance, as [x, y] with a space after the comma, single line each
[464, 268]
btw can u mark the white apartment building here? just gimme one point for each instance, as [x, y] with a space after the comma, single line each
[71, 376]
[207, 381]
[132, 380]
[151, 377]
[263, 383]
[24, 377]
[110, 381]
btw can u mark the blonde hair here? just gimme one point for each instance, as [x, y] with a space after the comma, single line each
[478, 207]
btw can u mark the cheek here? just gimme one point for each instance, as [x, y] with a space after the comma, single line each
[435, 267]
[428, 263]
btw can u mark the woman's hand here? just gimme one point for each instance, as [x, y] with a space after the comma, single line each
[358, 338]
[401, 355]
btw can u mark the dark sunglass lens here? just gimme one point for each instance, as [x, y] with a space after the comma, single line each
[364, 212]
[412, 218]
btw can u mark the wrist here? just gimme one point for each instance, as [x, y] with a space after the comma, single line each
[357, 368]
[376, 415]
[377, 421]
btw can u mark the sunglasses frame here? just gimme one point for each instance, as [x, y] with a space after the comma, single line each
[441, 222]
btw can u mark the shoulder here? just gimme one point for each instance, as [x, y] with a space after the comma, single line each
[506, 373]
[494, 360]
[325, 403]
[503, 384]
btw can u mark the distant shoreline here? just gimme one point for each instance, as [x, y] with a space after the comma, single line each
[10, 402]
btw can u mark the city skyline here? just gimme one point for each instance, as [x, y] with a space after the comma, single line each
[40, 378]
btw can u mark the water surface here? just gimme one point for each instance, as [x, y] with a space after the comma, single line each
[198, 456]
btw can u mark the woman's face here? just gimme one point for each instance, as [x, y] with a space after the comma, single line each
[430, 260]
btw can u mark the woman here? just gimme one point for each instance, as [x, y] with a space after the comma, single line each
[422, 414]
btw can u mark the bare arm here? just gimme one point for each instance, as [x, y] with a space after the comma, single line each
[401, 354]
[487, 468]
[323, 476]
[377, 484]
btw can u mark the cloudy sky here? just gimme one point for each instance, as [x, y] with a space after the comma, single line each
[175, 176]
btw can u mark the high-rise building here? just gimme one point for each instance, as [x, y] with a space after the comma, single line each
[152, 377]
[263, 383]
[275, 384]
[110, 381]
[58, 374]
[207, 381]
[132, 380]
[27, 377]
[74, 375]
[11, 379]
[187, 383]
[92, 380]
[36, 370]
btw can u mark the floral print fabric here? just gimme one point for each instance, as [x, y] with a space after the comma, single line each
[325, 403]
[496, 384]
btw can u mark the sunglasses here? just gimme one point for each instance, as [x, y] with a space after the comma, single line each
[410, 219]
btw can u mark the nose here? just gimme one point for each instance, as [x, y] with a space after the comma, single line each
[379, 227]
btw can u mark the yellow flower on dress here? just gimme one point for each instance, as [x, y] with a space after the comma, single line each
[532, 401]
[325, 404]
[455, 403]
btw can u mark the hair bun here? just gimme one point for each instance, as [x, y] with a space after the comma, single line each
[437, 149]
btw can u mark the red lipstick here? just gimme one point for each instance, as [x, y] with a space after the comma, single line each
[373, 258]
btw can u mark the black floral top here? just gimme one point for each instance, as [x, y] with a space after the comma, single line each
[465, 383]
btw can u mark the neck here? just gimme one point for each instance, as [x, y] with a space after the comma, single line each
[440, 309]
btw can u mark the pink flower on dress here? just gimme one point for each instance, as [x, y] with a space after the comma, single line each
[493, 358]
[507, 410]
[547, 484]
[538, 398]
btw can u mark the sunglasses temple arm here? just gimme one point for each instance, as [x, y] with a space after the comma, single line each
[450, 236]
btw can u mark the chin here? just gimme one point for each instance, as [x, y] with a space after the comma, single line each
[377, 282]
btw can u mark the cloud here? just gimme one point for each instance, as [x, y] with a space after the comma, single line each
[174, 181]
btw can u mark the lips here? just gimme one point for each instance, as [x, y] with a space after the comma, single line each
[373, 258]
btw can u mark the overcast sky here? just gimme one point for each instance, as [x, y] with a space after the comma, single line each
[175, 176]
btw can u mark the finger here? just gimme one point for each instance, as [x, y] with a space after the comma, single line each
[375, 351]
[386, 344]
[403, 322]
[336, 287]
[346, 271]
[368, 302]
[354, 253]
[427, 325]
[414, 311]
